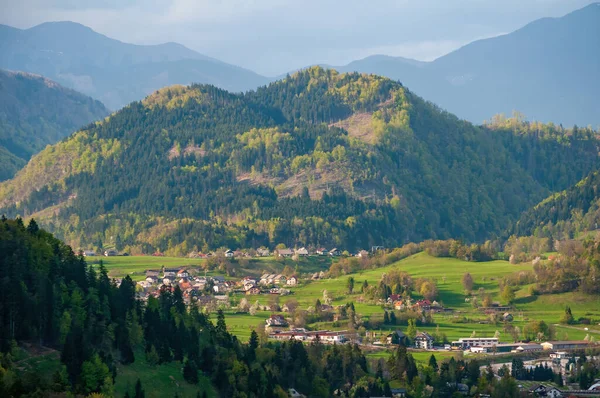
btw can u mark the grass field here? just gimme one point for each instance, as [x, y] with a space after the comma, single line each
[156, 380]
[119, 266]
[448, 272]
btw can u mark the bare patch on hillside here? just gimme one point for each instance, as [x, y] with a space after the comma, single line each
[175, 151]
[359, 126]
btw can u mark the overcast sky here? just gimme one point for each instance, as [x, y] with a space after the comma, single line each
[272, 37]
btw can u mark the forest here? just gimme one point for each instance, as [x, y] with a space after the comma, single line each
[35, 112]
[316, 159]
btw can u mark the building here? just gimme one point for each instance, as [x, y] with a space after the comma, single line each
[334, 252]
[363, 254]
[322, 251]
[468, 342]
[284, 253]
[89, 253]
[424, 341]
[396, 337]
[302, 252]
[276, 320]
[253, 291]
[565, 345]
[279, 279]
[293, 281]
[229, 253]
[262, 252]
[110, 253]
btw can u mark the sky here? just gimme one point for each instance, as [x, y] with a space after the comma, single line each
[273, 37]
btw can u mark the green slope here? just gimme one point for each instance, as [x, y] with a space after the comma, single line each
[35, 112]
[319, 158]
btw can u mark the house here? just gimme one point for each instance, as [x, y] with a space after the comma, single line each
[293, 281]
[279, 279]
[468, 342]
[293, 393]
[274, 290]
[229, 253]
[171, 272]
[507, 317]
[152, 280]
[276, 320]
[322, 251]
[398, 392]
[168, 280]
[253, 290]
[315, 276]
[218, 279]
[152, 272]
[396, 337]
[302, 252]
[111, 253]
[399, 305]
[334, 252]
[363, 254]
[262, 252]
[424, 341]
[284, 252]
[183, 273]
[565, 345]
[185, 284]
[249, 285]
[531, 347]
[89, 253]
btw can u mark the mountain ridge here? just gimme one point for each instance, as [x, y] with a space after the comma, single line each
[112, 71]
[318, 158]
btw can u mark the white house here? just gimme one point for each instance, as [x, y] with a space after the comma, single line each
[229, 253]
[424, 341]
[293, 281]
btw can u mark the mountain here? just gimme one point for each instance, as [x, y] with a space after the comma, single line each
[35, 112]
[111, 71]
[547, 70]
[566, 214]
[319, 158]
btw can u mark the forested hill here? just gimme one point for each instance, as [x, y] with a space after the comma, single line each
[35, 112]
[566, 214]
[318, 158]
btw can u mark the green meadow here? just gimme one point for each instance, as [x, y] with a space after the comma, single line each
[447, 272]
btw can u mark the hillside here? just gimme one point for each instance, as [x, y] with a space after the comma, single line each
[35, 112]
[114, 72]
[547, 70]
[566, 214]
[319, 158]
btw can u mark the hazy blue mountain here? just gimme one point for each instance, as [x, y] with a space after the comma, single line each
[547, 70]
[109, 70]
[35, 112]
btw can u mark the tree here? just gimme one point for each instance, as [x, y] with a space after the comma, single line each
[392, 318]
[433, 363]
[411, 330]
[508, 294]
[467, 282]
[567, 317]
[350, 285]
[139, 391]
[386, 318]
[429, 290]
[190, 372]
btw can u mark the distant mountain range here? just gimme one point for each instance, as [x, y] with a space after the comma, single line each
[319, 158]
[35, 112]
[549, 70]
[111, 71]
